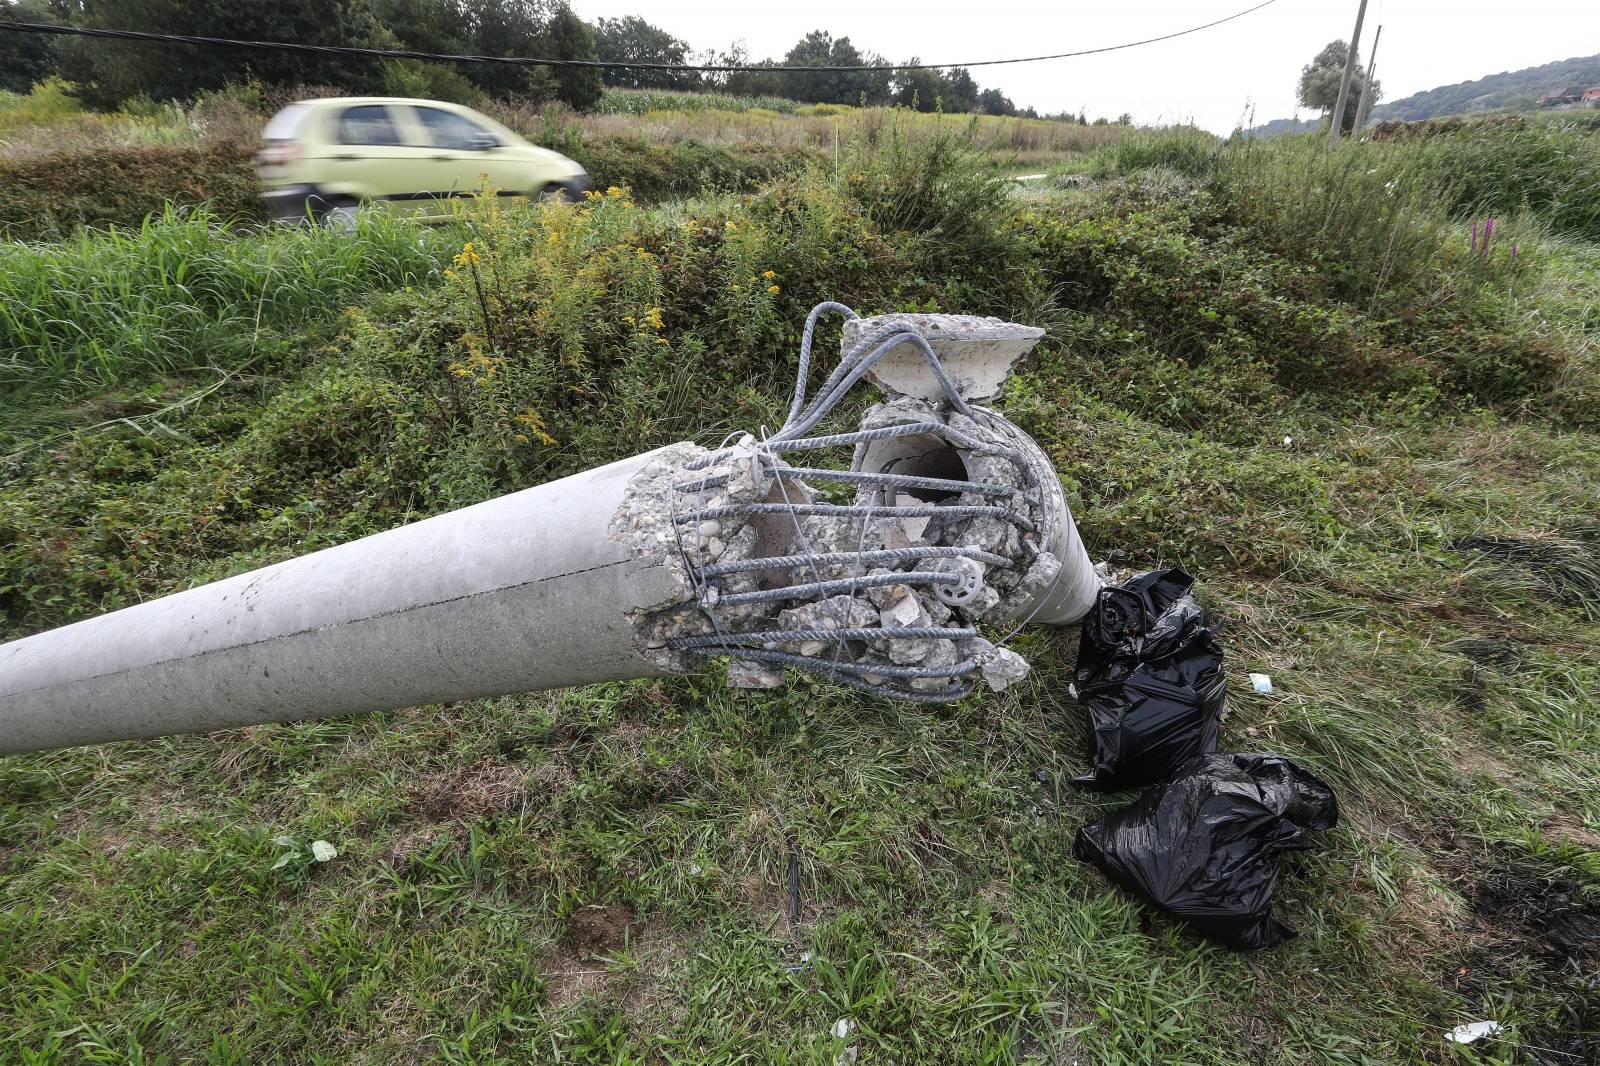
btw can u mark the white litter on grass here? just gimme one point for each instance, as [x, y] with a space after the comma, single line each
[322, 851]
[841, 1029]
[1262, 683]
[1288, 442]
[1473, 1032]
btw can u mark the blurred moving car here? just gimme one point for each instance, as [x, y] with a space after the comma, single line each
[324, 158]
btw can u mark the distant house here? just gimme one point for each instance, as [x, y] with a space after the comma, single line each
[1591, 97]
[1562, 97]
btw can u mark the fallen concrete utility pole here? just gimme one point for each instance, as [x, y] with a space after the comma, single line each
[876, 575]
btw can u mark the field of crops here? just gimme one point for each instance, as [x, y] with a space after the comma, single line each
[1308, 377]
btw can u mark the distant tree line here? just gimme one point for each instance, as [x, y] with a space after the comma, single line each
[110, 73]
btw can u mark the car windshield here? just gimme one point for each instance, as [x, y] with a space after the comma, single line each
[286, 124]
[368, 124]
[446, 129]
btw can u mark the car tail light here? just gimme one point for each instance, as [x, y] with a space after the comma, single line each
[278, 153]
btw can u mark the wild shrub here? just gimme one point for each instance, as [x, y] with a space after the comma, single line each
[1187, 151]
[50, 195]
[1551, 168]
[48, 101]
[683, 168]
[939, 189]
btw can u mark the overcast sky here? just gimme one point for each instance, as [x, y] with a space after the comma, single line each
[1213, 78]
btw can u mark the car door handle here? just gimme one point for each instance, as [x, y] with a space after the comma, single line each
[344, 158]
[441, 158]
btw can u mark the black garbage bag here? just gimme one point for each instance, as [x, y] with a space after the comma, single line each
[1151, 676]
[1205, 845]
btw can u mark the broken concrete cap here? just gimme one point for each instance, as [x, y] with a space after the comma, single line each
[978, 354]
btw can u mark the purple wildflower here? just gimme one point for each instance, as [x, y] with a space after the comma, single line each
[1488, 229]
[1474, 235]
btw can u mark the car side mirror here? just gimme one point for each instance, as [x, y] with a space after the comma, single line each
[482, 142]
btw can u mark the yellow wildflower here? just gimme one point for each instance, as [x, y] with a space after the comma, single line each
[772, 289]
[593, 194]
[730, 226]
[522, 438]
[468, 256]
[535, 426]
[769, 274]
[653, 317]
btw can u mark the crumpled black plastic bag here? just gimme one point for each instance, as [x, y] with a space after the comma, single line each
[1205, 845]
[1151, 676]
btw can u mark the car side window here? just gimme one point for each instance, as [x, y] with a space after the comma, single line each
[446, 129]
[368, 124]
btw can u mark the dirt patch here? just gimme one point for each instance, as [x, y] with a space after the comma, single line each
[1568, 829]
[405, 852]
[574, 969]
[470, 792]
[598, 930]
[592, 932]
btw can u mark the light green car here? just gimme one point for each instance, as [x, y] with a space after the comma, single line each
[324, 158]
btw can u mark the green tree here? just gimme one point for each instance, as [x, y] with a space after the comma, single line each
[507, 28]
[108, 73]
[568, 37]
[995, 102]
[962, 94]
[1319, 83]
[821, 49]
[631, 39]
[921, 90]
[26, 58]
[425, 26]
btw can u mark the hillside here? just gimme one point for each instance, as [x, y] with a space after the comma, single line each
[1516, 89]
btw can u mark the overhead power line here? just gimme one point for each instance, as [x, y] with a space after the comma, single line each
[523, 61]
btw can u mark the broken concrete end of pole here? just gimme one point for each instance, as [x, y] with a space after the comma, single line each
[871, 557]
[977, 353]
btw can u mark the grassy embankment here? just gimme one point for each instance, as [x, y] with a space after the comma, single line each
[62, 166]
[1282, 368]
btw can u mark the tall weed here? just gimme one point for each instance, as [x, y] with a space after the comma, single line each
[182, 291]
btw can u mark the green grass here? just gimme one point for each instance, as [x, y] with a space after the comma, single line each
[1385, 478]
[182, 292]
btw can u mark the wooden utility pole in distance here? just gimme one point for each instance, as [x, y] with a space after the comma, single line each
[1366, 86]
[1344, 82]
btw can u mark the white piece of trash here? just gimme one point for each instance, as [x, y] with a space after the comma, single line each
[841, 1028]
[1262, 683]
[1473, 1032]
